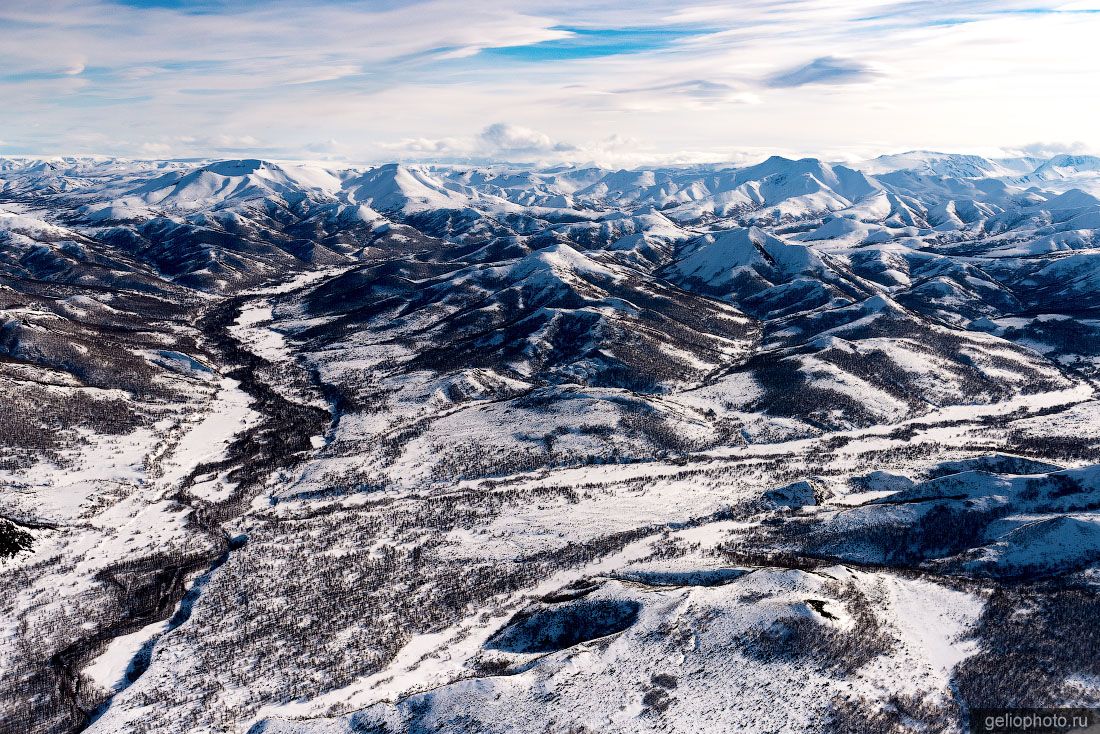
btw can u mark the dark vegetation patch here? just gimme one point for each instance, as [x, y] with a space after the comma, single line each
[1061, 447]
[36, 421]
[699, 577]
[818, 605]
[281, 439]
[838, 652]
[789, 392]
[558, 627]
[896, 714]
[657, 700]
[1032, 640]
[13, 539]
[1064, 336]
[944, 529]
[576, 590]
[147, 589]
[994, 463]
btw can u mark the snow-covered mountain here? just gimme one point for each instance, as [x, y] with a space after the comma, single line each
[1066, 166]
[954, 165]
[794, 446]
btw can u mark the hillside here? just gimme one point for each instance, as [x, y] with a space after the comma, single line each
[294, 448]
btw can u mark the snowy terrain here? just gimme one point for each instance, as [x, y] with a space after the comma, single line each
[796, 446]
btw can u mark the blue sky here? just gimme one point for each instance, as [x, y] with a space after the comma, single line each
[591, 43]
[616, 83]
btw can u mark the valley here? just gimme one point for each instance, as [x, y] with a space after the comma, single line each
[289, 448]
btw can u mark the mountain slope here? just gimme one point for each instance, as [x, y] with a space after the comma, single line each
[787, 446]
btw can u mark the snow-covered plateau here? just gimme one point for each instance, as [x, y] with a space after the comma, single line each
[791, 447]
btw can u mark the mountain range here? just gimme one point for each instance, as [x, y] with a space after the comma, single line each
[296, 447]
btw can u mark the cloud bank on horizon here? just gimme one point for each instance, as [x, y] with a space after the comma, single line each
[653, 81]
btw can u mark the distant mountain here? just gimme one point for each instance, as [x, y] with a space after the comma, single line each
[1065, 166]
[953, 165]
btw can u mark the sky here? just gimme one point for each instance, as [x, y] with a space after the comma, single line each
[619, 84]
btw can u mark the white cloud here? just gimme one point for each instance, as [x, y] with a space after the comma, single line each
[504, 139]
[517, 144]
[324, 74]
[156, 150]
[422, 80]
[1050, 149]
[430, 147]
[176, 146]
[824, 70]
[500, 140]
[670, 95]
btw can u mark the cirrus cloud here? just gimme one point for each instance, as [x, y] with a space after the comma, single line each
[824, 70]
